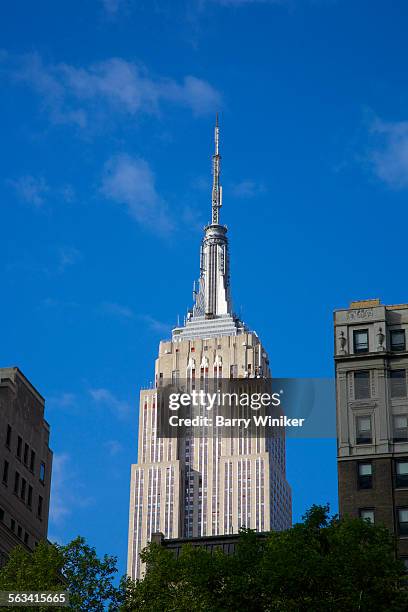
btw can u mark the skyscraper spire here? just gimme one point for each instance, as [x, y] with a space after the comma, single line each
[216, 189]
[212, 297]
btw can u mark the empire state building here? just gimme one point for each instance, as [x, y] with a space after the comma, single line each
[206, 484]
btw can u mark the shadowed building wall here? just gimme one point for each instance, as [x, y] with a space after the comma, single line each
[25, 463]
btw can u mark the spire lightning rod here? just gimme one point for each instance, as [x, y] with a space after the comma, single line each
[217, 135]
[216, 190]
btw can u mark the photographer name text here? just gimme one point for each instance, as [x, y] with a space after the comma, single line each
[221, 421]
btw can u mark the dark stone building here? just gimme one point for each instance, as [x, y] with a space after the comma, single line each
[226, 543]
[371, 361]
[25, 463]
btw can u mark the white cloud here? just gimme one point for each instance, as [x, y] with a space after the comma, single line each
[32, 190]
[68, 256]
[35, 190]
[198, 95]
[130, 181]
[129, 87]
[248, 189]
[47, 83]
[60, 507]
[70, 93]
[118, 310]
[56, 539]
[105, 397]
[390, 157]
[111, 6]
[66, 490]
[114, 447]
[192, 217]
[64, 400]
[155, 325]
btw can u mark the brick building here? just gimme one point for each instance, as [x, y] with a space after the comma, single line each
[371, 361]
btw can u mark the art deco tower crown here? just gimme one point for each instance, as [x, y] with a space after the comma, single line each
[213, 298]
[212, 312]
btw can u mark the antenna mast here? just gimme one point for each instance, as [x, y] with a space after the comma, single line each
[217, 189]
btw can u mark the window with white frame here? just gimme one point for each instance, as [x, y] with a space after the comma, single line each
[364, 434]
[400, 427]
[401, 473]
[367, 514]
[365, 474]
[397, 339]
[402, 521]
[360, 340]
[398, 383]
[362, 384]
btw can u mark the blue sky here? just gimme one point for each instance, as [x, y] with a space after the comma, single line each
[107, 111]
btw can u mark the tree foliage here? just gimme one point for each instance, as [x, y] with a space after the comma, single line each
[322, 564]
[75, 568]
[89, 579]
[37, 571]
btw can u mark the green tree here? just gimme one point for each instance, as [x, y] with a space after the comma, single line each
[37, 571]
[322, 564]
[89, 579]
[75, 568]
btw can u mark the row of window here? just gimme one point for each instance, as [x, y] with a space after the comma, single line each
[397, 380]
[192, 349]
[22, 489]
[364, 429]
[365, 474]
[402, 518]
[24, 453]
[15, 528]
[27, 455]
[217, 370]
[361, 342]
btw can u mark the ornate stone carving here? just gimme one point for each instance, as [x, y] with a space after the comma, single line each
[380, 338]
[204, 362]
[360, 313]
[343, 343]
[218, 360]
